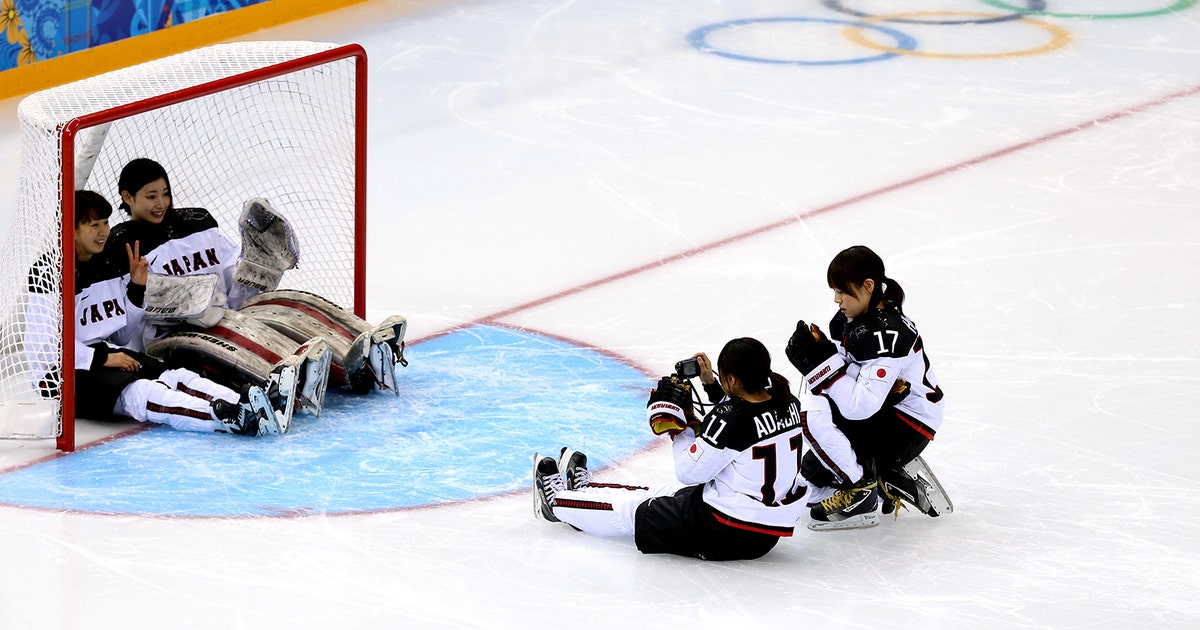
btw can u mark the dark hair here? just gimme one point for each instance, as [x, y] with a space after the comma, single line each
[854, 265]
[90, 206]
[136, 174]
[750, 361]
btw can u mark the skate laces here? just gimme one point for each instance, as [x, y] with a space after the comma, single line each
[552, 485]
[581, 477]
[896, 501]
[843, 498]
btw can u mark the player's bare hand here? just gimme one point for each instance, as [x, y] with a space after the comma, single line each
[123, 362]
[139, 267]
[706, 371]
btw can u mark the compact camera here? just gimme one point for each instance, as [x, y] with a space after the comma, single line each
[688, 368]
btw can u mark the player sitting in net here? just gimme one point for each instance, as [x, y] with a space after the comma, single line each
[741, 464]
[114, 380]
[878, 377]
[219, 303]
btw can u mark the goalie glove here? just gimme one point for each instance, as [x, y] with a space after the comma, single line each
[269, 246]
[193, 299]
[815, 356]
[669, 409]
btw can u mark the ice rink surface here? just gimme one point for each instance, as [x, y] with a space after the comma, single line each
[653, 178]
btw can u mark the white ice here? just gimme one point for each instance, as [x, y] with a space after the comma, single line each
[575, 167]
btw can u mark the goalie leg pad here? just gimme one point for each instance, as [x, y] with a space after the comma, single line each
[208, 353]
[299, 326]
[341, 321]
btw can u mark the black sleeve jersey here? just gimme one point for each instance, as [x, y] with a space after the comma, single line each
[714, 392]
[747, 455]
[178, 223]
[877, 334]
[880, 347]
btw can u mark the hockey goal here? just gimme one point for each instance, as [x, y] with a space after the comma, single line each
[280, 120]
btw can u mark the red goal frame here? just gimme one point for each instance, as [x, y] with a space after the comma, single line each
[69, 131]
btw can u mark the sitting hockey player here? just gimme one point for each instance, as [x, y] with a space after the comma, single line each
[741, 463]
[878, 378]
[113, 380]
[199, 261]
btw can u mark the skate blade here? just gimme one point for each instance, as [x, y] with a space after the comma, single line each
[939, 501]
[315, 362]
[382, 363]
[537, 506]
[862, 521]
[284, 416]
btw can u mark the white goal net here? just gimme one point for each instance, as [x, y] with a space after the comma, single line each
[280, 120]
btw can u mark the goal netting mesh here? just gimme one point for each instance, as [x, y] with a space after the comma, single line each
[279, 120]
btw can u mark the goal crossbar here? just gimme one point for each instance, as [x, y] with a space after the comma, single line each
[68, 118]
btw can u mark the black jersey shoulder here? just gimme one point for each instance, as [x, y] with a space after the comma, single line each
[837, 327]
[178, 223]
[879, 333]
[98, 269]
[737, 424]
[44, 274]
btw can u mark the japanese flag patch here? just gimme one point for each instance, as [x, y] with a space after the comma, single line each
[695, 451]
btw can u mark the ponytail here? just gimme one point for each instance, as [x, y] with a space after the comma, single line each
[781, 394]
[890, 293]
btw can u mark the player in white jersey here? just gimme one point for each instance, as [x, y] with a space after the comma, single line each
[187, 242]
[113, 380]
[878, 378]
[741, 465]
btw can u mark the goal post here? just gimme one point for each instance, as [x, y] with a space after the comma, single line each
[281, 120]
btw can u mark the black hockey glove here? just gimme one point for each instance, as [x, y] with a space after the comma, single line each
[900, 390]
[811, 352]
[669, 409]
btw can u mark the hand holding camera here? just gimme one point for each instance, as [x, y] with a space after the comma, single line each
[669, 409]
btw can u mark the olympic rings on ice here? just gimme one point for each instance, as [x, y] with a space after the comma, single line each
[1059, 36]
[1031, 6]
[856, 31]
[699, 40]
[1178, 6]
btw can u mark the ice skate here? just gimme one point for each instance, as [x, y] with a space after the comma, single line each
[283, 402]
[851, 508]
[547, 483]
[253, 416]
[371, 361]
[573, 466]
[915, 485]
[300, 379]
[391, 332]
